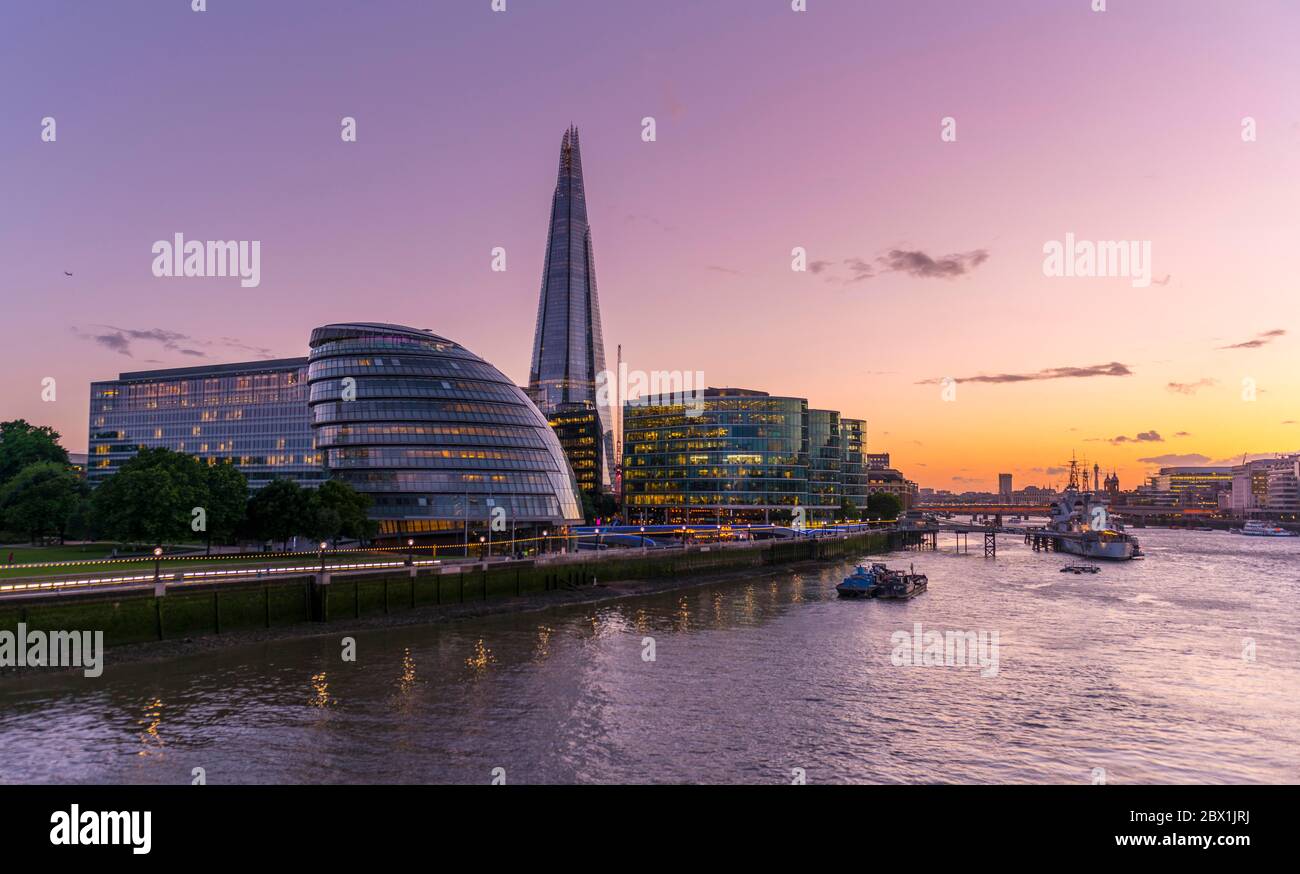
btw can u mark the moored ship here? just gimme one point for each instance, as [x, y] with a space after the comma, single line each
[1095, 532]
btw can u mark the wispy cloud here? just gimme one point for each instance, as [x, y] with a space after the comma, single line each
[1190, 388]
[917, 263]
[912, 262]
[122, 340]
[1261, 339]
[1114, 368]
[716, 269]
[1176, 458]
[1142, 437]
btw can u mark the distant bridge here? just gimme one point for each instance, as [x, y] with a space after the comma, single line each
[1004, 509]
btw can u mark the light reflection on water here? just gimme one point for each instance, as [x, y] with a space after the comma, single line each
[1142, 670]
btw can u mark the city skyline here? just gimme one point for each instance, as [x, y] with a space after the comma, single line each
[925, 257]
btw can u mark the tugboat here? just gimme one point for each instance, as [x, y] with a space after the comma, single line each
[862, 583]
[900, 586]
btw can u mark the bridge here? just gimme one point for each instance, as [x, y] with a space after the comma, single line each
[984, 509]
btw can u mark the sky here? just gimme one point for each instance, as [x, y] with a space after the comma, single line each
[774, 129]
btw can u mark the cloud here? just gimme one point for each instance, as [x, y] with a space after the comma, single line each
[818, 266]
[1164, 281]
[122, 340]
[1176, 458]
[1142, 437]
[718, 269]
[1114, 368]
[917, 263]
[115, 341]
[859, 269]
[1190, 388]
[1183, 434]
[1260, 339]
[913, 262]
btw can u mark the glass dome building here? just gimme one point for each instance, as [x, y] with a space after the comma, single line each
[438, 438]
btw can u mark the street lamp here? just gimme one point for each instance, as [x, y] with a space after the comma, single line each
[481, 541]
[643, 538]
[410, 551]
[157, 561]
[322, 556]
[546, 540]
[597, 541]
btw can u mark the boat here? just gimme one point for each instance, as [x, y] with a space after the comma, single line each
[1080, 569]
[1256, 528]
[900, 586]
[862, 582]
[1094, 531]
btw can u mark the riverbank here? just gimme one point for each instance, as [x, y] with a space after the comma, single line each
[139, 625]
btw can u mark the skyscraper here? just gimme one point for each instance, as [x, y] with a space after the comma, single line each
[568, 349]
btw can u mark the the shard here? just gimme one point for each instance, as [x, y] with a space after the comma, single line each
[568, 350]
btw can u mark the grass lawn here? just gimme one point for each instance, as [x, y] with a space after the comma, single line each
[25, 554]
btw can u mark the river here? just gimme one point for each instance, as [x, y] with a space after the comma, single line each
[1182, 668]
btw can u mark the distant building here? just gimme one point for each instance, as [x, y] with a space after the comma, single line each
[1266, 486]
[878, 460]
[251, 414]
[1189, 486]
[1004, 488]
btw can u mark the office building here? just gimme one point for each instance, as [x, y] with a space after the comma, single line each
[252, 415]
[568, 347]
[439, 439]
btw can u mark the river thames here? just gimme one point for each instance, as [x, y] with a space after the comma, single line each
[1180, 668]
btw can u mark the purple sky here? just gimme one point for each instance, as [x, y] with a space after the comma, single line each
[775, 129]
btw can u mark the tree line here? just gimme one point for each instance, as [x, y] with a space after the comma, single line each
[161, 496]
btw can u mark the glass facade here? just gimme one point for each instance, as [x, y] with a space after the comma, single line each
[824, 471]
[577, 426]
[853, 464]
[252, 415]
[568, 348]
[733, 454]
[438, 438]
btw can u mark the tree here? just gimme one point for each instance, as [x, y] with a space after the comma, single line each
[152, 498]
[40, 499]
[279, 511]
[22, 444]
[883, 505]
[848, 509]
[338, 510]
[227, 502]
[599, 506]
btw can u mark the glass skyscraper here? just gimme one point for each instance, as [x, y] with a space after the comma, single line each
[568, 349]
[438, 438]
[251, 414]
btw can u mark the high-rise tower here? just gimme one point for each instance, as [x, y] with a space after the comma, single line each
[568, 349]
